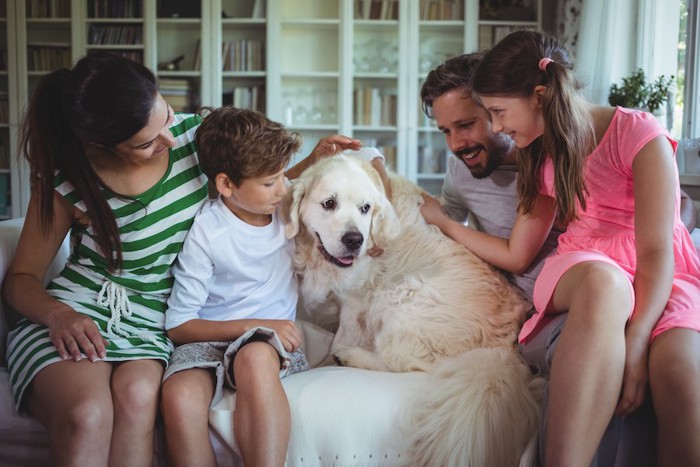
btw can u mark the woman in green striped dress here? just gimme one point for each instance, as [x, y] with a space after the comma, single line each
[111, 163]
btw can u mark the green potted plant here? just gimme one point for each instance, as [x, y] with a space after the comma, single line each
[636, 93]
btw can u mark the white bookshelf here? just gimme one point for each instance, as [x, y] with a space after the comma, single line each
[321, 67]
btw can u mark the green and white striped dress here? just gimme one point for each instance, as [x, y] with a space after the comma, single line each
[129, 305]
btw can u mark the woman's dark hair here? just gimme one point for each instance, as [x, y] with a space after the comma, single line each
[105, 99]
[513, 68]
[455, 73]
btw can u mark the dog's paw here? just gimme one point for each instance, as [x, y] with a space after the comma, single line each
[338, 360]
[358, 358]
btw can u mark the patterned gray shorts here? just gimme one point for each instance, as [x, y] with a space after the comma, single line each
[219, 357]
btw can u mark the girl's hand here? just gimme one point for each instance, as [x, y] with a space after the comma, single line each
[432, 211]
[332, 145]
[72, 332]
[636, 377]
[286, 330]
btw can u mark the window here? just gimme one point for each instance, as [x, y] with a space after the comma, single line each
[686, 121]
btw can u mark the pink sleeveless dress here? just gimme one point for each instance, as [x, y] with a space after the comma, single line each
[605, 230]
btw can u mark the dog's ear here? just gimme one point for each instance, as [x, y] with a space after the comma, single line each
[385, 223]
[290, 207]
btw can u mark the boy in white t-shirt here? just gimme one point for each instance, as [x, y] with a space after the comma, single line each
[233, 304]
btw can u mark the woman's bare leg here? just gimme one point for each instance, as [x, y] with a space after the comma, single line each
[73, 400]
[135, 391]
[262, 419]
[588, 363]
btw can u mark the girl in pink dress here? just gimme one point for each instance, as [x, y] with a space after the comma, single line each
[626, 270]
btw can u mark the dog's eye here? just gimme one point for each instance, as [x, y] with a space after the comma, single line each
[328, 204]
[364, 209]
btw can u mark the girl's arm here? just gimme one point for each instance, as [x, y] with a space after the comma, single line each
[514, 254]
[689, 215]
[23, 288]
[654, 196]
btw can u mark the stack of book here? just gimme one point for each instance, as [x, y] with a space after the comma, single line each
[377, 9]
[115, 34]
[46, 57]
[176, 93]
[374, 106]
[243, 55]
[441, 10]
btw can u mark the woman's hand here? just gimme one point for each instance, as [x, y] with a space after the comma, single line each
[328, 146]
[331, 145]
[73, 332]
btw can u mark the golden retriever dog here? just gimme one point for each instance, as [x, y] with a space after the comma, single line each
[424, 304]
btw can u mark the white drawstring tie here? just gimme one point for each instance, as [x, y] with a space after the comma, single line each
[114, 296]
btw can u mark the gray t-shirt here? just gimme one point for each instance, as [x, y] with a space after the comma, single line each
[492, 203]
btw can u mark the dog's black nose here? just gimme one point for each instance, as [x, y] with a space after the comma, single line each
[352, 240]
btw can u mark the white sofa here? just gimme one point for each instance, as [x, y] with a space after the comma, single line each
[340, 416]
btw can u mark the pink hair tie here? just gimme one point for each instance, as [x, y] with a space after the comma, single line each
[544, 62]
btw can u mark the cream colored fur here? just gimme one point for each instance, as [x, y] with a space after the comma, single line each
[425, 304]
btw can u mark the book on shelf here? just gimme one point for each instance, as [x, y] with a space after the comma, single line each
[242, 55]
[176, 92]
[197, 61]
[443, 10]
[115, 9]
[4, 154]
[4, 109]
[374, 106]
[258, 10]
[115, 35]
[5, 208]
[377, 9]
[48, 8]
[48, 57]
[246, 97]
[389, 155]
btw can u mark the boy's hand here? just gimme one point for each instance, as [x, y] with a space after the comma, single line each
[286, 330]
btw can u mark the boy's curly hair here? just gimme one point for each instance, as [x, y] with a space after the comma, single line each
[243, 144]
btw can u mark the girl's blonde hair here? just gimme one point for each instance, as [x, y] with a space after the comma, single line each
[513, 68]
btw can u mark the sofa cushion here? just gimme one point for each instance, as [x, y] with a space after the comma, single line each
[9, 235]
[340, 416]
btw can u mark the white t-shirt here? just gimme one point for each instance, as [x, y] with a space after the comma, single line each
[229, 269]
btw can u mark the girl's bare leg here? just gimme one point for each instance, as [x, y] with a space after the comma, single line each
[674, 376]
[588, 363]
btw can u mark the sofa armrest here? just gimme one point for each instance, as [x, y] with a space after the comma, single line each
[9, 236]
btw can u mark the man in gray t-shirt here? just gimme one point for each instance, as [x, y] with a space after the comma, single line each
[481, 176]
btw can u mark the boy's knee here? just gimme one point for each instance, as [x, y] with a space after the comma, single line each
[183, 394]
[256, 357]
